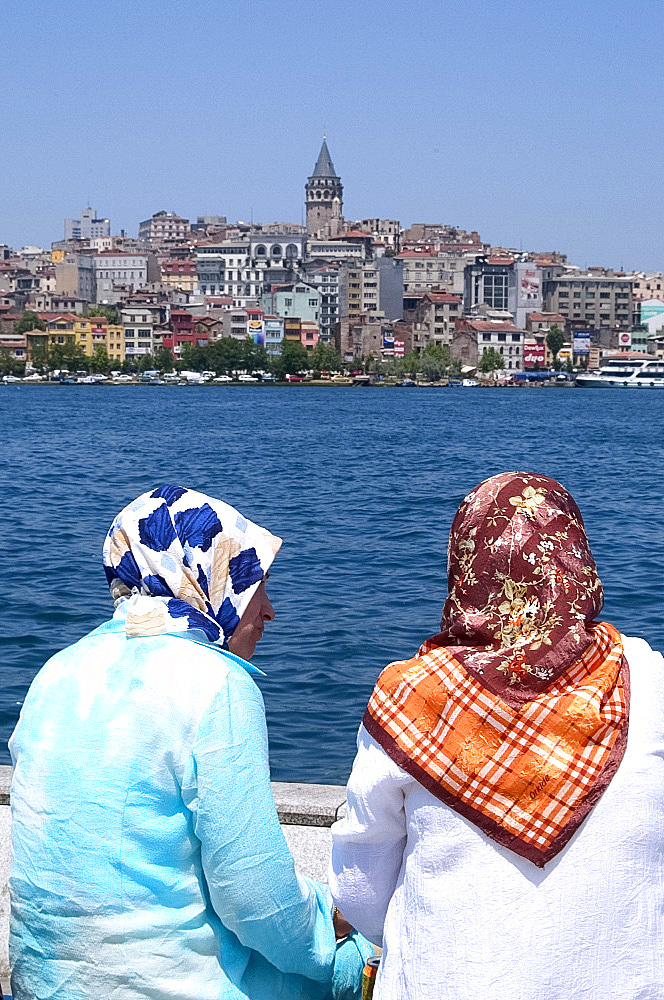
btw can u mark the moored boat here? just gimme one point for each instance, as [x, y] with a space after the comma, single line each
[627, 370]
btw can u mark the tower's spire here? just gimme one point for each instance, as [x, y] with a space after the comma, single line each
[324, 166]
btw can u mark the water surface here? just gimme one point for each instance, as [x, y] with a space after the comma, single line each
[361, 484]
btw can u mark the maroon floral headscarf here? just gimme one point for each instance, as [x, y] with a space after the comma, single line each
[523, 584]
[516, 713]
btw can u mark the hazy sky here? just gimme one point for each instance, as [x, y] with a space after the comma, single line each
[538, 124]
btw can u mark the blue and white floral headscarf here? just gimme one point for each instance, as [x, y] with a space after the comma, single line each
[182, 560]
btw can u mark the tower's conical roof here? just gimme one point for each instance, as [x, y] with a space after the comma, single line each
[324, 166]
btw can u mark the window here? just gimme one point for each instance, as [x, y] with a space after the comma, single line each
[313, 302]
[516, 337]
[288, 302]
[605, 295]
[495, 290]
[502, 336]
[486, 336]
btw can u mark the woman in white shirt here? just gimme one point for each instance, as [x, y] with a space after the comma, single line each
[503, 836]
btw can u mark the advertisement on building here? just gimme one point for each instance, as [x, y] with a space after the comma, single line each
[581, 342]
[625, 339]
[256, 330]
[652, 315]
[399, 348]
[528, 287]
[534, 355]
[388, 347]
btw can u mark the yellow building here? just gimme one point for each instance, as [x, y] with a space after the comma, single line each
[92, 332]
[87, 331]
[182, 274]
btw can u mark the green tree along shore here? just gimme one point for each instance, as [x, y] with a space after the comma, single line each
[229, 355]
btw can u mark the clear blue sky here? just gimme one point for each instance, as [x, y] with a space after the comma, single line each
[539, 124]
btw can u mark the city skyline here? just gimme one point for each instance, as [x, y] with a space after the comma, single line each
[536, 128]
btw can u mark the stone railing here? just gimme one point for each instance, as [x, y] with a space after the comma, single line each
[306, 813]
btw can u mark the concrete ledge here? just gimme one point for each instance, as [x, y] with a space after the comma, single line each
[299, 804]
[5, 781]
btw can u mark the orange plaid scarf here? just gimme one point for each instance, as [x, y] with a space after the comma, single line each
[526, 777]
[521, 735]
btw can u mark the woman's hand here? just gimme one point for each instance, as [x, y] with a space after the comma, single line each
[341, 926]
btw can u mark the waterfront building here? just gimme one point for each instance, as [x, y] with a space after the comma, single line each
[15, 343]
[390, 286]
[505, 284]
[274, 334]
[359, 289]
[435, 318]
[292, 328]
[324, 197]
[234, 322]
[325, 278]
[309, 334]
[88, 227]
[362, 336]
[163, 228]
[494, 331]
[140, 323]
[595, 299]
[301, 299]
[93, 332]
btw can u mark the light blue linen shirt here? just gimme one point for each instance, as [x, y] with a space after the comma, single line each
[148, 857]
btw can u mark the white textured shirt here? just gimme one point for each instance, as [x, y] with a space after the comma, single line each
[461, 918]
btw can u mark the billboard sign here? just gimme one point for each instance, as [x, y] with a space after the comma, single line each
[399, 348]
[388, 346]
[653, 309]
[256, 330]
[625, 338]
[529, 286]
[534, 354]
[582, 342]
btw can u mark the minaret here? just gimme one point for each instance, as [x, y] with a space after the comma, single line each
[324, 194]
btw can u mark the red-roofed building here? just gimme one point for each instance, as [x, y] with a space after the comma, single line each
[501, 334]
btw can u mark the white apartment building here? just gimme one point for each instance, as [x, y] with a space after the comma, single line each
[141, 331]
[88, 227]
[105, 278]
[226, 268]
[426, 269]
[164, 227]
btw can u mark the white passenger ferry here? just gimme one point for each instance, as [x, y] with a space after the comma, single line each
[628, 370]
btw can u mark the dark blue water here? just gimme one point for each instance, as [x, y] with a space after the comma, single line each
[361, 484]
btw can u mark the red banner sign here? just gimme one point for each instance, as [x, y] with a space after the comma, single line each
[533, 354]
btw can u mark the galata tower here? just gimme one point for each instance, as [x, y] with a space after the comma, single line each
[324, 192]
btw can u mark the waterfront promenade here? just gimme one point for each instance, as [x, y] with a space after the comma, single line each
[306, 813]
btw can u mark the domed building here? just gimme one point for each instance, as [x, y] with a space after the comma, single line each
[324, 200]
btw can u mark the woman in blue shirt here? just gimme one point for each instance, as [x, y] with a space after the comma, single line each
[148, 857]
